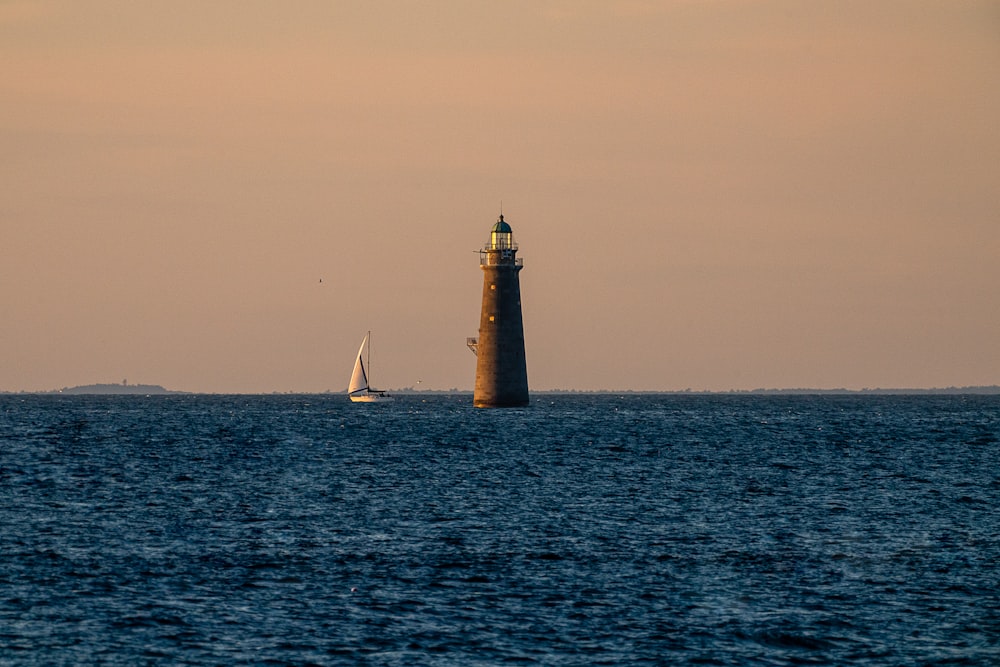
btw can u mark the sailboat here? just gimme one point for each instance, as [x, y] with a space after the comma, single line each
[359, 389]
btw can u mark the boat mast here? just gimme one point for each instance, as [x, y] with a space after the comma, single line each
[368, 382]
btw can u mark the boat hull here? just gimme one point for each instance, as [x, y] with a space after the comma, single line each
[372, 398]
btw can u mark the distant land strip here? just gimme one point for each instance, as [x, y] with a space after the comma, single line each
[987, 389]
[140, 389]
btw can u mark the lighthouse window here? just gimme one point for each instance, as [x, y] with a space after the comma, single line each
[493, 286]
[491, 318]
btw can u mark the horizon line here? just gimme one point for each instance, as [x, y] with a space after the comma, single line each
[150, 389]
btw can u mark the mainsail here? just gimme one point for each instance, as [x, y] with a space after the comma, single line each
[359, 380]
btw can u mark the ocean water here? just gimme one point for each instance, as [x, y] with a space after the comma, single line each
[583, 530]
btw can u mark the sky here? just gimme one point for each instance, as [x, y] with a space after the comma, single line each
[710, 195]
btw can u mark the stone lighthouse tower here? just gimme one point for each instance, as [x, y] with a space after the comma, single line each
[501, 371]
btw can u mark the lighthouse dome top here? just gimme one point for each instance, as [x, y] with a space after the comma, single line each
[501, 238]
[501, 226]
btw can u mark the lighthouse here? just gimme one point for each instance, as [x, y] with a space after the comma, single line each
[501, 371]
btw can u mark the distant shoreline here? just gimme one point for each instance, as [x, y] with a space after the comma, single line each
[111, 390]
[982, 390]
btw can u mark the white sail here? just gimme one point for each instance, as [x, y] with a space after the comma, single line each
[359, 380]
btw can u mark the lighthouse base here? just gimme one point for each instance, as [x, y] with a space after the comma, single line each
[508, 403]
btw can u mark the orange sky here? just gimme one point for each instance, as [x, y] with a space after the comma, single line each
[707, 195]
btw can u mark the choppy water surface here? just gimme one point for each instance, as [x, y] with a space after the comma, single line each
[583, 530]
